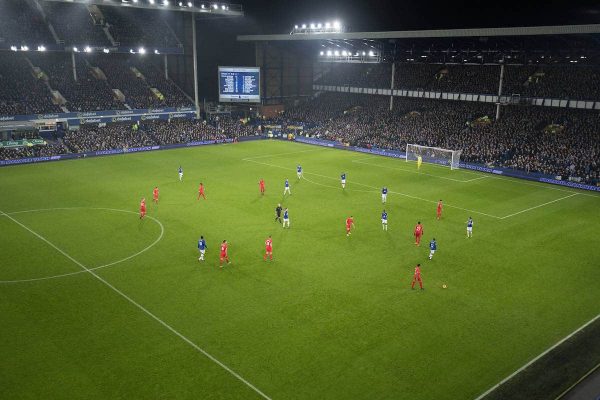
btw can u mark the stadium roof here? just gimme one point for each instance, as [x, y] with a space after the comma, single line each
[437, 33]
[191, 6]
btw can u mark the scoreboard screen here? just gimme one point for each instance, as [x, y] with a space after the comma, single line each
[239, 84]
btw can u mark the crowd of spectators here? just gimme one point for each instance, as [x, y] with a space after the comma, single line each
[578, 82]
[74, 24]
[22, 25]
[551, 141]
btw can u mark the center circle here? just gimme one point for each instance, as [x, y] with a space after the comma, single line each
[109, 264]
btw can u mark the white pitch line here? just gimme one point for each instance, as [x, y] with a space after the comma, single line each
[110, 264]
[377, 189]
[539, 205]
[142, 308]
[503, 381]
[420, 173]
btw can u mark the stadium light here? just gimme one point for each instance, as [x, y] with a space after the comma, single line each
[41, 48]
[180, 4]
[13, 48]
[319, 25]
[364, 54]
[322, 53]
[142, 50]
[156, 52]
[336, 53]
[190, 4]
[327, 25]
[151, 2]
[75, 49]
[216, 6]
[131, 51]
[344, 53]
[24, 48]
[224, 7]
[312, 26]
[303, 26]
[337, 25]
[106, 51]
[165, 3]
[87, 49]
[329, 53]
[135, 1]
[295, 26]
[371, 54]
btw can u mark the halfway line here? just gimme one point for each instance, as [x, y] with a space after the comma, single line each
[142, 308]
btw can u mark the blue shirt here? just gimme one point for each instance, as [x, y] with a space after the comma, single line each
[299, 168]
[343, 176]
[384, 190]
[285, 214]
[202, 244]
[384, 216]
[180, 170]
[287, 184]
[433, 245]
[470, 223]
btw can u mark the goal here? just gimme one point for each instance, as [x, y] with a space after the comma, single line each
[433, 155]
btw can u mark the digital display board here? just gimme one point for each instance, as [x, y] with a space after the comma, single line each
[239, 84]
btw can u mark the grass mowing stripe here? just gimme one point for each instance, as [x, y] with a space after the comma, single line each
[548, 350]
[142, 308]
[539, 205]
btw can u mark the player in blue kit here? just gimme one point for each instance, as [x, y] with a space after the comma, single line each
[343, 179]
[470, 227]
[432, 248]
[384, 220]
[299, 171]
[286, 188]
[286, 218]
[201, 248]
[384, 195]
[180, 170]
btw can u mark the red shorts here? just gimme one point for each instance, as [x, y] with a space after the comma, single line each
[348, 227]
[223, 255]
[143, 210]
[269, 249]
[155, 197]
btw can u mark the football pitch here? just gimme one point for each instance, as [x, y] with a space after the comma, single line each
[98, 304]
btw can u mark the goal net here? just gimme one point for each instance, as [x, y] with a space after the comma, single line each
[433, 155]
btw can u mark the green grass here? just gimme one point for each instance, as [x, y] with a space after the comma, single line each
[333, 317]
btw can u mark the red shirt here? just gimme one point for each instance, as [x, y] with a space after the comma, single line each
[224, 248]
[143, 205]
[155, 192]
[201, 189]
[439, 207]
[268, 243]
[349, 221]
[418, 230]
[261, 183]
[417, 272]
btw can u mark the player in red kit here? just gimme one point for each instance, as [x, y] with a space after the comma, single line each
[201, 191]
[439, 209]
[261, 186]
[155, 195]
[418, 233]
[224, 255]
[143, 208]
[349, 225]
[269, 248]
[417, 277]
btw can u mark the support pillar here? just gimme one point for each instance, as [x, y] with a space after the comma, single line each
[195, 55]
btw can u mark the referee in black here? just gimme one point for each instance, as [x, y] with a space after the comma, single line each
[278, 212]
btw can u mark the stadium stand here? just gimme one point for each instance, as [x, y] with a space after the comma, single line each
[22, 25]
[75, 24]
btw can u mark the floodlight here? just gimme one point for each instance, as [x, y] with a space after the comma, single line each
[135, 1]
[364, 54]
[312, 26]
[224, 7]
[180, 4]
[41, 48]
[337, 25]
[319, 26]
[344, 53]
[106, 51]
[371, 54]
[336, 53]
[216, 6]
[142, 50]
[156, 52]
[75, 49]
[165, 2]
[24, 48]
[295, 26]
[151, 1]
[13, 48]
[131, 51]
[303, 26]
[327, 25]
[322, 53]
[87, 49]
[329, 53]
[190, 4]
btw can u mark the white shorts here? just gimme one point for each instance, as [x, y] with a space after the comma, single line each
[286, 220]
[469, 229]
[384, 221]
[202, 251]
[383, 197]
[299, 174]
[181, 174]
[432, 251]
[343, 181]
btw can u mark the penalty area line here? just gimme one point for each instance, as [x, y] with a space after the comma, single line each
[548, 350]
[538, 206]
[141, 308]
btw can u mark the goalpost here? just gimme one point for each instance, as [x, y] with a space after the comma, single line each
[433, 155]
